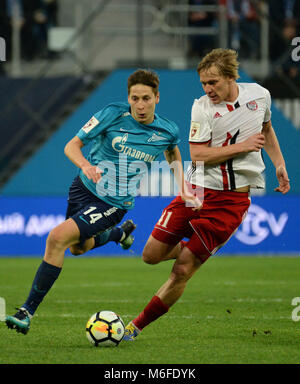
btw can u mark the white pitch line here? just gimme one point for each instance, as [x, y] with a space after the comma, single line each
[255, 300]
[251, 282]
[184, 317]
[110, 284]
[96, 301]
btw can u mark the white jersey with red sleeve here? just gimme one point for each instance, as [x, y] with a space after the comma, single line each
[229, 123]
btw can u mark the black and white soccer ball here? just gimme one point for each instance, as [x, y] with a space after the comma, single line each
[105, 328]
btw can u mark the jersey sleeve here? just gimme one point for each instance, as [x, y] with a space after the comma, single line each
[200, 129]
[268, 113]
[176, 139]
[96, 125]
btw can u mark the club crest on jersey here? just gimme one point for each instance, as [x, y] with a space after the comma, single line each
[217, 114]
[194, 128]
[252, 105]
[193, 132]
[155, 137]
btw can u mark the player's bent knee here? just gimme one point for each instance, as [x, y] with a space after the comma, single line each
[154, 252]
[149, 259]
[56, 239]
[76, 251]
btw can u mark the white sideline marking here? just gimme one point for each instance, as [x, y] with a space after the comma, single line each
[2, 309]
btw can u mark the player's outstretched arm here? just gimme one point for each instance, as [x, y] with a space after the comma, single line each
[73, 152]
[173, 157]
[273, 150]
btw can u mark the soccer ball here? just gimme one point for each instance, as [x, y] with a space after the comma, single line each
[105, 328]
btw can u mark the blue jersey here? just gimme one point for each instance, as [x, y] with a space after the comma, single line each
[123, 149]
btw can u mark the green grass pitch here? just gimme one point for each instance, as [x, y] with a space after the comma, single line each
[234, 310]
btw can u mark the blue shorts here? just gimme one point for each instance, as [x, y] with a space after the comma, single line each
[91, 214]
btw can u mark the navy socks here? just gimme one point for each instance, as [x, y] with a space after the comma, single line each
[43, 281]
[114, 234]
[47, 273]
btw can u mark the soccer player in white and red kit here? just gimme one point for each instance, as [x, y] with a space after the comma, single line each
[230, 125]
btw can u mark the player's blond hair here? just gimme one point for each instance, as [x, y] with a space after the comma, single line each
[145, 77]
[225, 60]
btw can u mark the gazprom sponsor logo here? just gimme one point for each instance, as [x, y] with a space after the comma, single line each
[118, 144]
[260, 224]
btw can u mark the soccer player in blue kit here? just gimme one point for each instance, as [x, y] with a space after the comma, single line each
[125, 138]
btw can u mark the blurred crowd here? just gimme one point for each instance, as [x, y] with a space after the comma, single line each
[35, 18]
[244, 30]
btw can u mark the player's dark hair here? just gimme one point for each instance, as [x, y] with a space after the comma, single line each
[145, 77]
[225, 60]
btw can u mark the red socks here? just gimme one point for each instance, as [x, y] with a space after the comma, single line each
[154, 309]
[151, 312]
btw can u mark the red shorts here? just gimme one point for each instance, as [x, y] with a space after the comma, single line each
[208, 229]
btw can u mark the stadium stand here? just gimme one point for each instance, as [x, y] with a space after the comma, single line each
[154, 33]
